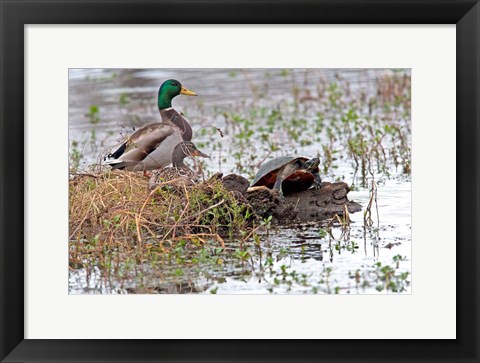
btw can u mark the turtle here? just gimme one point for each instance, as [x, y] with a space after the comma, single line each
[289, 174]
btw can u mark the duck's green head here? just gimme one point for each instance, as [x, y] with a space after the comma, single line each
[170, 89]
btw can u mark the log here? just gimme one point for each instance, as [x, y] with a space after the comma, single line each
[305, 206]
[235, 183]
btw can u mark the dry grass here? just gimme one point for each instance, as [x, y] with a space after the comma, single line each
[116, 211]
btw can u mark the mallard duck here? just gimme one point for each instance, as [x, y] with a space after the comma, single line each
[167, 91]
[183, 150]
[179, 171]
[151, 147]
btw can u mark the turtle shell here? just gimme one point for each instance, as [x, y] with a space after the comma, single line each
[297, 181]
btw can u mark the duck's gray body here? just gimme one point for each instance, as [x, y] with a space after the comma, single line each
[150, 147]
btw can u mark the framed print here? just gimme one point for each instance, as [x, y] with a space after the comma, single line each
[109, 253]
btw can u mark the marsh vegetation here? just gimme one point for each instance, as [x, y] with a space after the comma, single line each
[127, 238]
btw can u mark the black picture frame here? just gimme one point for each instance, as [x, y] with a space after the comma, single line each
[15, 14]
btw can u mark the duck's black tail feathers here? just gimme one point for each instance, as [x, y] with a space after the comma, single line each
[117, 153]
[112, 158]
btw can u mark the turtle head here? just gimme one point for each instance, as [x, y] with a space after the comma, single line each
[170, 89]
[312, 164]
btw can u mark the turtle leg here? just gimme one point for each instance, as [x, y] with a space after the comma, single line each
[278, 185]
[318, 181]
[284, 173]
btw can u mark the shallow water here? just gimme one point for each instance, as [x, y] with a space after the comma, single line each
[288, 260]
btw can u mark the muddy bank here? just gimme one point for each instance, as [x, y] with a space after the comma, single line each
[109, 207]
[308, 205]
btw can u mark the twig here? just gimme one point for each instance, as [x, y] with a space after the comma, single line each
[85, 174]
[207, 209]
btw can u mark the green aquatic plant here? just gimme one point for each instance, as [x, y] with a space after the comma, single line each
[75, 156]
[94, 114]
[123, 99]
[390, 277]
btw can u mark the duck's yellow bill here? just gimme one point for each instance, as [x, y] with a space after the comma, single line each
[187, 92]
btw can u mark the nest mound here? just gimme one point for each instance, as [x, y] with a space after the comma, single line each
[118, 206]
